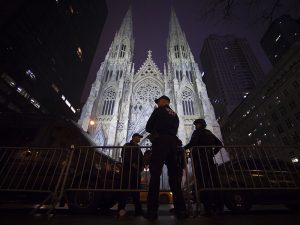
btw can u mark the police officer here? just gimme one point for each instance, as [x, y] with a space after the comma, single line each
[204, 165]
[163, 126]
[133, 165]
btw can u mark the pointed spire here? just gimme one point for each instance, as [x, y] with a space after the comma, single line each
[126, 27]
[174, 26]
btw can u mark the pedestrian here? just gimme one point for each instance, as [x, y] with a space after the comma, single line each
[163, 126]
[204, 145]
[133, 165]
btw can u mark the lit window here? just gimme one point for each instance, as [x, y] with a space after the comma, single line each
[55, 88]
[226, 48]
[30, 74]
[71, 9]
[8, 80]
[250, 134]
[68, 103]
[35, 103]
[23, 92]
[275, 56]
[277, 38]
[73, 110]
[295, 160]
[79, 53]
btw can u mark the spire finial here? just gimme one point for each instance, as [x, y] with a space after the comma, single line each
[149, 54]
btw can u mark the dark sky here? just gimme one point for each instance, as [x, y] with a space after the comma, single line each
[151, 21]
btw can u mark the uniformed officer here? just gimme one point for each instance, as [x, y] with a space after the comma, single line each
[133, 165]
[204, 165]
[163, 126]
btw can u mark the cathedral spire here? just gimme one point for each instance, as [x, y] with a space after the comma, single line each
[126, 27]
[174, 26]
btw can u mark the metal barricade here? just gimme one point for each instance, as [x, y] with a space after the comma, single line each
[221, 169]
[103, 171]
[27, 170]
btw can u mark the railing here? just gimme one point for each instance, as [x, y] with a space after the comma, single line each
[244, 167]
[104, 169]
[219, 170]
[34, 170]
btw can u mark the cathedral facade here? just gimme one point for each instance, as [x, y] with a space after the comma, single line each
[121, 99]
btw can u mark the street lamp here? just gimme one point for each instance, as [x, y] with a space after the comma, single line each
[92, 122]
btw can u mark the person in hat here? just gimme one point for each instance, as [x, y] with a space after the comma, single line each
[132, 167]
[163, 126]
[204, 165]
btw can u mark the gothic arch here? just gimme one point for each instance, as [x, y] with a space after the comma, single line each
[109, 97]
[188, 102]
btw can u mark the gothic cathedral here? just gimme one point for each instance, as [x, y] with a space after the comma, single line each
[122, 99]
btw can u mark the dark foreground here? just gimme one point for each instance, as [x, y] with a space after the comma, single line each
[275, 215]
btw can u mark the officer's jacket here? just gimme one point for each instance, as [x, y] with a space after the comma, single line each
[163, 120]
[132, 156]
[203, 137]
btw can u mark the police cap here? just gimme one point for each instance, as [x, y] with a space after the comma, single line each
[162, 97]
[137, 135]
[200, 121]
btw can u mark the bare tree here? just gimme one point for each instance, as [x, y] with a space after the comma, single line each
[264, 10]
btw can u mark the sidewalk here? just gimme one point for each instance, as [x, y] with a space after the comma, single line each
[260, 216]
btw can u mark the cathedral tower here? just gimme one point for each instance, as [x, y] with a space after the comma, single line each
[106, 97]
[189, 91]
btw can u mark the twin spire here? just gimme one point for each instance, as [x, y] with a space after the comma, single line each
[126, 26]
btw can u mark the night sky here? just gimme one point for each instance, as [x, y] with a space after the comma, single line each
[198, 21]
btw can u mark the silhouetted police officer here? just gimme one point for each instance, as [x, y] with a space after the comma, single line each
[133, 165]
[204, 165]
[163, 126]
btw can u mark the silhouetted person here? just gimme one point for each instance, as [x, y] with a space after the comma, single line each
[204, 165]
[163, 126]
[133, 165]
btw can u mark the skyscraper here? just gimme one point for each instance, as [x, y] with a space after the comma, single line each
[46, 49]
[122, 99]
[280, 36]
[231, 71]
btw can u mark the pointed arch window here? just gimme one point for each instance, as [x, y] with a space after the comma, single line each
[183, 51]
[191, 76]
[107, 75]
[177, 75]
[117, 76]
[181, 75]
[115, 52]
[109, 102]
[188, 102]
[176, 50]
[121, 74]
[122, 52]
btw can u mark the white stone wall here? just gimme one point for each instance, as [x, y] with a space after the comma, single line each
[136, 91]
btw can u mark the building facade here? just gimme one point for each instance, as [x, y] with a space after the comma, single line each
[231, 71]
[280, 36]
[122, 99]
[270, 116]
[46, 50]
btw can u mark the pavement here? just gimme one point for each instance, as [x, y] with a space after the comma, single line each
[263, 215]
